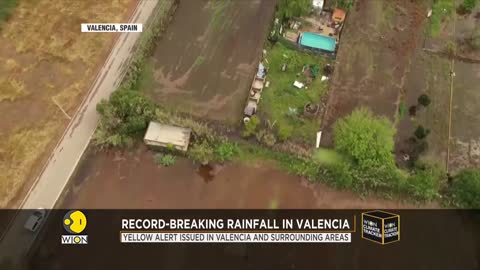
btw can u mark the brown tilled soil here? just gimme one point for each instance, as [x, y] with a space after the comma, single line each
[376, 50]
[207, 58]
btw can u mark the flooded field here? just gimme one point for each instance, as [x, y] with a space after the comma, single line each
[133, 180]
[374, 78]
[208, 56]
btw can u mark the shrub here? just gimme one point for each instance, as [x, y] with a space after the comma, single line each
[340, 176]
[365, 138]
[466, 189]
[201, 152]
[251, 126]
[424, 183]
[259, 135]
[164, 159]
[469, 5]
[421, 132]
[412, 110]
[284, 132]
[226, 151]
[424, 100]
[451, 47]
[125, 115]
[345, 4]
[269, 139]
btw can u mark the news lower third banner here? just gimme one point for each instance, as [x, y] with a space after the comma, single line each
[134, 227]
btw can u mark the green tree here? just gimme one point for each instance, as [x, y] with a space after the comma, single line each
[424, 100]
[125, 115]
[366, 139]
[469, 5]
[293, 8]
[466, 188]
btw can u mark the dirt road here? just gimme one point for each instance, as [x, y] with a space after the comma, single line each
[61, 164]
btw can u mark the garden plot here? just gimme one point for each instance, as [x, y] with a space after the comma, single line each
[283, 104]
[378, 43]
[430, 76]
[206, 61]
[465, 140]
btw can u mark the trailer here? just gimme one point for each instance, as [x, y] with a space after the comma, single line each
[256, 89]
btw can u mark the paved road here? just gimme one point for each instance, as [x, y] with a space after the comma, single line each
[49, 185]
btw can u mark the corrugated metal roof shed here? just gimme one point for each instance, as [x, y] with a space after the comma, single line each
[164, 135]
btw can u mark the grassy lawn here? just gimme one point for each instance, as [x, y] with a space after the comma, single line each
[441, 11]
[280, 101]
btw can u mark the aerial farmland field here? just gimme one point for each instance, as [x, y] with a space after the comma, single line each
[46, 68]
[205, 62]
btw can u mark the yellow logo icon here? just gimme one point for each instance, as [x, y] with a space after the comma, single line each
[74, 222]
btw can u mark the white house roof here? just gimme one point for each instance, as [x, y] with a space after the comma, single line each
[163, 135]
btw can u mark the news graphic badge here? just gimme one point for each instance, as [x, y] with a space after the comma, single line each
[74, 223]
[381, 227]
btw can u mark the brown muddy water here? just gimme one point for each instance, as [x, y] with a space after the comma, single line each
[132, 180]
[110, 179]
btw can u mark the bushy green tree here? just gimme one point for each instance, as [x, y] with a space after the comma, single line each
[366, 139]
[293, 8]
[466, 188]
[125, 115]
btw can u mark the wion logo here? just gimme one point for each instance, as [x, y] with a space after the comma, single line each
[74, 222]
[381, 227]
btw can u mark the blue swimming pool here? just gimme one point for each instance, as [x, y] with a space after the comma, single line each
[316, 41]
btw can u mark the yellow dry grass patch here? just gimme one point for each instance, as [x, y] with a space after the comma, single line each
[66, 97]
[44, 53]
[55, 29]
[11, 64]
[19, 154]
[11, 89]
